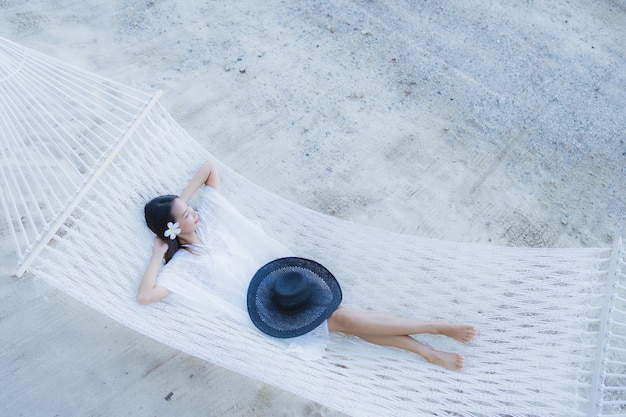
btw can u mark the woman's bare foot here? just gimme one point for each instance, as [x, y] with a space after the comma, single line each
[451, 361]
[460, 332]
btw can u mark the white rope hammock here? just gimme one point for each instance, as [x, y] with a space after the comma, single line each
[80, 156]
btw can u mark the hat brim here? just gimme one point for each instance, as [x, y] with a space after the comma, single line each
[269, 319]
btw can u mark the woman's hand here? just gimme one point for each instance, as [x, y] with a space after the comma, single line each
[159, 248]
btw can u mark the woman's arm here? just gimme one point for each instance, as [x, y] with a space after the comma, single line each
[149, 291]
[207, 174]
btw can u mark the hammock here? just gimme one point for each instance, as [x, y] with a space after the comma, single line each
[82, 154]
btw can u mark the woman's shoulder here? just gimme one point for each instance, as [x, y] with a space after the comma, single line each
[183, 265]
[208, 193]
[178, 260]
[208, 189]
[210, 200]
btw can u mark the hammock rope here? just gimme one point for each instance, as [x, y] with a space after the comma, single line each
[80, 157]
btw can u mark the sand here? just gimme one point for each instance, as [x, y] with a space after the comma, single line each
[499, 123]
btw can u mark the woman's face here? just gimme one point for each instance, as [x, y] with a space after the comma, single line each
[187, 217]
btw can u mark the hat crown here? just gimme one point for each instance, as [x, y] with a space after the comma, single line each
[291, 296]
[291, 292]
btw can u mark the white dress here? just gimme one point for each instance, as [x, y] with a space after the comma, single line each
[215, 275]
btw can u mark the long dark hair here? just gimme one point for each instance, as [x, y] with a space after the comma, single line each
[158, 213]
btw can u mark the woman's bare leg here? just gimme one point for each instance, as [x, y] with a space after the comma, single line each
[387, 330]
[452, 361]
[380, 324]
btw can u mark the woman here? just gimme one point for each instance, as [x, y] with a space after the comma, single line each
[217, 250]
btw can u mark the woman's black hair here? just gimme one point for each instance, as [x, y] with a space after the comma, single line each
[158, 213]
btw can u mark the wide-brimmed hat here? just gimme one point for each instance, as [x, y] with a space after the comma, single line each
[289, 297]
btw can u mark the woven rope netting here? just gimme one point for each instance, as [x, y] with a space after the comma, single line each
[80, 157]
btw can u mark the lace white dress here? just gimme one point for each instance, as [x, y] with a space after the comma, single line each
[214, 275]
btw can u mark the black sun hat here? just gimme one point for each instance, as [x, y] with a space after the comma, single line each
[289, 297]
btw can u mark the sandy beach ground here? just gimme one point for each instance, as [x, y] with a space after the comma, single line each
[494, 122]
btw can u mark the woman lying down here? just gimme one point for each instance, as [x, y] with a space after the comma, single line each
[252, 277]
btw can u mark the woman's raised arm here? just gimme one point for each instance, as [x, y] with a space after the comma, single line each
[149, 291]
[207, 174]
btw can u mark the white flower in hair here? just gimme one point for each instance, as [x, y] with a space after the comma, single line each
[172, 230]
